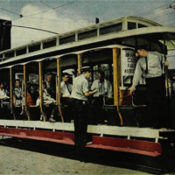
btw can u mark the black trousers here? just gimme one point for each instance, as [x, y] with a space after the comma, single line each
[98, 112]
[156, 100]
[67, 109]
[80, 112]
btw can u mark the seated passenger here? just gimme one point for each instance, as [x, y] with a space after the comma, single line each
[66, 90]
[66, 87]
[48, 101]
[4, 98]
[104, 89]
[17, 98]
[17, 94]
[32, 95]
[50, 85]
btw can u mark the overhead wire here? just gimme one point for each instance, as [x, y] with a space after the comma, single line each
[45, 11]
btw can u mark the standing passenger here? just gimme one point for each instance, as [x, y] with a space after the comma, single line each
[80, 92]
[17, 98]
[104, 88]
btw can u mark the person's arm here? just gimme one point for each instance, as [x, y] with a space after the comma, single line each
[89, 93]
[86, 90]
[137, 75]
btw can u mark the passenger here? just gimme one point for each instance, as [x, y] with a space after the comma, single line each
[66, 90]
[80, 92]
[50, 85]
[49, 102]
[66, 87]
[150, 67]
[17, 98]
[17, 94]
[4, 98]
[32, 95]
[104, 88]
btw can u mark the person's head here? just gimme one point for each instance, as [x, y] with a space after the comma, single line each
[65, 77]
[87, 72]
[1, 85]
[17, 83]
[49, 77]
[44, 85]
[101, 75]
[142, 52]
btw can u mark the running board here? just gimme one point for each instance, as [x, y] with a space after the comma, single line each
[134, 146]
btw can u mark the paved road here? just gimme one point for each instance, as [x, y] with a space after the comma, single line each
[17, 159]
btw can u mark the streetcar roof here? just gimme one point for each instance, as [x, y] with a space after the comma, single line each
[158, 33]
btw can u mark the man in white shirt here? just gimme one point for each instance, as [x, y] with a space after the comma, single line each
[80, 94]
[4, 98]
[66, 99]
[150, 66]
[104, 88]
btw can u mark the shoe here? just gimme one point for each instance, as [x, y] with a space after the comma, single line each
[41, 118]
[51, 119]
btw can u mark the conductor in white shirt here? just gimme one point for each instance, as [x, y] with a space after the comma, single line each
[80, 94]
[150, 66]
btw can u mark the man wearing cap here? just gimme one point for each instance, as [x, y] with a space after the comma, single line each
[150, 66]
[80, 93]
[66, 90]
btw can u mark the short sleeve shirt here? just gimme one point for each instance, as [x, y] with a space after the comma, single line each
[80, 86]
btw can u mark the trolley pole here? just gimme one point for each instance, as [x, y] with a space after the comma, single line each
[79, 63]
[58, 89]
[11, 91]
[116, 82]
[41, 91]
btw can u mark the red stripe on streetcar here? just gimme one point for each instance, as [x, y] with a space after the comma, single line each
[133, 146]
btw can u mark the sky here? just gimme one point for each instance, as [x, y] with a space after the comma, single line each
[62, 16]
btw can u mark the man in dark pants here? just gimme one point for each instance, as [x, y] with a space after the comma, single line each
[80, 92]
[149, 66]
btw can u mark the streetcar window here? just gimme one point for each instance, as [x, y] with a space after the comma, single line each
[9, 54]
[67, 39]
[87, 34]
[49, 43]
[1, 56]
[21, 51]
[131, 25]
[141, 25]
[111, 28]
[34, 48]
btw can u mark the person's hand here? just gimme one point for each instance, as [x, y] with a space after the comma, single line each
[131, 91]
[165, 63]
[95, 90]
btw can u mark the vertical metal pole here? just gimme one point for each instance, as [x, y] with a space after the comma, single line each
[11, 91]
[116, 81]
[58, 87]
[79, 63]
[25, 92]
[41, 90]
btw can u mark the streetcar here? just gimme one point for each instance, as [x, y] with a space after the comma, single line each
[108, 46]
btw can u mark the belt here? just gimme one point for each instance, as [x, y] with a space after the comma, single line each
[81, 101]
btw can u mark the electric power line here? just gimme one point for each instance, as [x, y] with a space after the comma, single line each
[9, 11]
[52, 8]
[32, 28]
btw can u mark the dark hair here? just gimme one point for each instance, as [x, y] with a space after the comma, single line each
[63, 74]
[142, 47]
[86, 69]
[101, 72]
